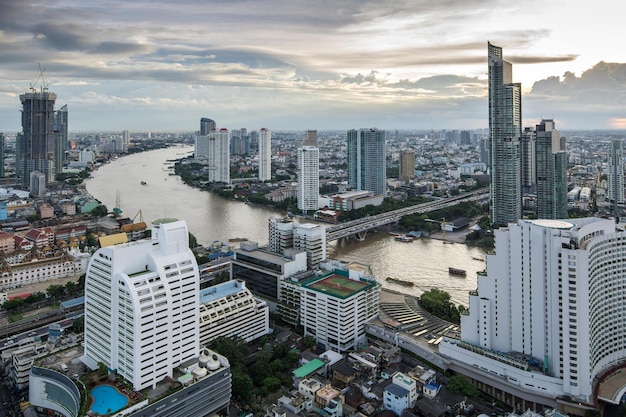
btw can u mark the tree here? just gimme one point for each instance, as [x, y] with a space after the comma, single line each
[459, 384]
[437, 302]
[56, 291]
[13, 305]
[235, 349]
[242, 385]
[71, 288]
[271, 384]
[35, 297]
[78, 325]
[259, 371]
[309, 341]
[100, 211]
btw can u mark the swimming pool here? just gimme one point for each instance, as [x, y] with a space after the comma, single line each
[107, 400]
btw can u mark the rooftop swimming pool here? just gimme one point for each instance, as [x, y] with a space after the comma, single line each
[107, 400]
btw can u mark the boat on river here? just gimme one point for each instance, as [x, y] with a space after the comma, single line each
[143, 183]
[400, 281]
[238, 239]
[403, 238]
[456, 271]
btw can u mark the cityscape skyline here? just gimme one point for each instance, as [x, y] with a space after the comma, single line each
[298, 65]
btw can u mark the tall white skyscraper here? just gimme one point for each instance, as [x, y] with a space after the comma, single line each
[219, 156]
[547, 318]
[142, 306]
[265, 155]
[308, 178]
[367, 160]
[615, 192]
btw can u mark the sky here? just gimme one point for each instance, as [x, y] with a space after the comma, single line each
[161, 65]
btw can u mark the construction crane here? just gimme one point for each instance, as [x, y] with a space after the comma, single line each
[44, 86]
[140, 216]
[443, 224]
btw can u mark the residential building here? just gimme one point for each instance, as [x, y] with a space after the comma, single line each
[142, 306]
[280, 234]
[229, 309]
[311, 138]
[545, 323]
[308, 178]
[1, 155]
[35, 146]
[529, 172]
[615, 190]
[311, 238]
[37, 183]
[401, 394]
[218, 159]
[551, 162]
[505, 131]
[207, 126]
[265, 155]
[61, 138]
[367, 160]
[407, 165]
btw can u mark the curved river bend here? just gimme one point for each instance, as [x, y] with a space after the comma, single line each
[210, 217]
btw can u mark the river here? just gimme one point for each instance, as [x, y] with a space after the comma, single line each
[210, 217]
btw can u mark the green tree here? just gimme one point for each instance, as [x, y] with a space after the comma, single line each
[71, 288]
[309, 341]
[13, 305]
[234, 348]
[437, 302]
[459, 384]
[100, 211]
[35, 297]
[259, 371]
[56, 291]
[271, 384]
[78, 325]
[242, 385]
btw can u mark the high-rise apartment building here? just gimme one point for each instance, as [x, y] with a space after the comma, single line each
[551, 163]
[311, 238]
[207, 126]
[308, 178]
[218, 158]
[125, 140]
[265, 155]
[407, 165]
[615, 192]
[1, 155]
[529, 173]
[505, 131]
[546, 321]
[37, 184]
[61, 138]
[142, 306]
[280, 234]
[35, 146]
[367, 160]
[311, 138]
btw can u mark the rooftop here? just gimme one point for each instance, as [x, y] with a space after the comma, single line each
[339, 286]
[221, 290]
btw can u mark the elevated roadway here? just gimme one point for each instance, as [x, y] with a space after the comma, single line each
[359, 227]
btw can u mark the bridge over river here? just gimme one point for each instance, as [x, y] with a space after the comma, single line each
[359, 227]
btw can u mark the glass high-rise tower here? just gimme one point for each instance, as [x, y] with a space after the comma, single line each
[551, 163]
[505, 131]
[35, 146]
[367, 160]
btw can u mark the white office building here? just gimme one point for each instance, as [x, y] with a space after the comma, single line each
[280, 234]
[142, 306]
[229, 309]
[332, 307]
[547, 319]
[308, 178]
[265, 155]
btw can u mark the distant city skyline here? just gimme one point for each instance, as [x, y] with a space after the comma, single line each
[297, 65]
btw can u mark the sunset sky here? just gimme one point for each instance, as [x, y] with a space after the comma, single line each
[296, 64]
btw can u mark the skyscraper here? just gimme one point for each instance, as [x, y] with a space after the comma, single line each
[311, 138]
[1, 156]
[551, 161]
[142, 306]
[407, 165]
[505, 131]
[265, 155]
[529, 167]
[219, 156]
[367, 160]
[308, 178]
[35, 146]
[547, 317]
[61, 138]
[615, 192]
[207, 126]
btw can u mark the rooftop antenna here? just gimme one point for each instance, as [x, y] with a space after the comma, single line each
[44, 86]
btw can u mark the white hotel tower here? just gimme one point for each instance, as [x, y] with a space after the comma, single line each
[548, 320]
[142, 306]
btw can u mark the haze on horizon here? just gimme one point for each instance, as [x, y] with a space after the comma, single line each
[298, 64]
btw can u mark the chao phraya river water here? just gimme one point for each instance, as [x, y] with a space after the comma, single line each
[424, 262]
